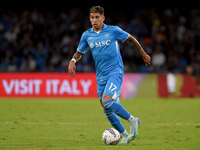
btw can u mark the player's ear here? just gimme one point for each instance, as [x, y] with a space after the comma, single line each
[103, 17]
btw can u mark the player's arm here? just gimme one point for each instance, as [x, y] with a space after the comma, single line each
[72, 67]
[137, 45]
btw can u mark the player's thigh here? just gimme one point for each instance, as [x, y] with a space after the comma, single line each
[113, 86]
[100, 89]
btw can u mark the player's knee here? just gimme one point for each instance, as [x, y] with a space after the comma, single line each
[106, 98]
[107, 104]
[104, 108]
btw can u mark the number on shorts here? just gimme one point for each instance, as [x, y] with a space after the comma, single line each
[112, 87]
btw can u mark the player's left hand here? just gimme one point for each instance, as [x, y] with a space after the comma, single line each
[147, 59]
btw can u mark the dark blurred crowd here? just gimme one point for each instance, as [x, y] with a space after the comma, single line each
[44, 41]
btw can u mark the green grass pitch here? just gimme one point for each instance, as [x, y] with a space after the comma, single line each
[66, 124]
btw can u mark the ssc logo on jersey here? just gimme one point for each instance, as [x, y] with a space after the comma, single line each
[107, 35]
[91, 45]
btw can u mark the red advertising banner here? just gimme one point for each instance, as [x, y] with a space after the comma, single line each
[84, 85]
[178, 85]
[47, 85]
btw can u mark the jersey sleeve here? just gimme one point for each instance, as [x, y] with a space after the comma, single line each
[121, 34]
[83, 46]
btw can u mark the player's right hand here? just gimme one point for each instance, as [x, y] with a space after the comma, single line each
[72, 69]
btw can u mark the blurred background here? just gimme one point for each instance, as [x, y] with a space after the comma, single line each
[42, 37]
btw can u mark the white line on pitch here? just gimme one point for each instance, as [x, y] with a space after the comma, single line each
[91, 123]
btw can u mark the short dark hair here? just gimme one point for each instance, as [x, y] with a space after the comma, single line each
[97, 9]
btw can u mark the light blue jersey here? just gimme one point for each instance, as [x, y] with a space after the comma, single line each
[105, 49]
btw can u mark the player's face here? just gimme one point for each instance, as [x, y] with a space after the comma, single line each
[97, 20]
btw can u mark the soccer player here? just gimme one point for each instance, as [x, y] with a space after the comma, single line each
[102, 40]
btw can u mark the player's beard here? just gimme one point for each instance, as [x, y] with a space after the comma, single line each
[97, 27]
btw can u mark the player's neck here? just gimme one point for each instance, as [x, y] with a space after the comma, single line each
[97, 31]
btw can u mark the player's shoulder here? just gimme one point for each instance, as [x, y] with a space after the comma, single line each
[112, 27]
[86, 33]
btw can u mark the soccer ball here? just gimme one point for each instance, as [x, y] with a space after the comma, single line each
[111, 136]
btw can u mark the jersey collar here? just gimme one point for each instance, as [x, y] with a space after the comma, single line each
[104, 27]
